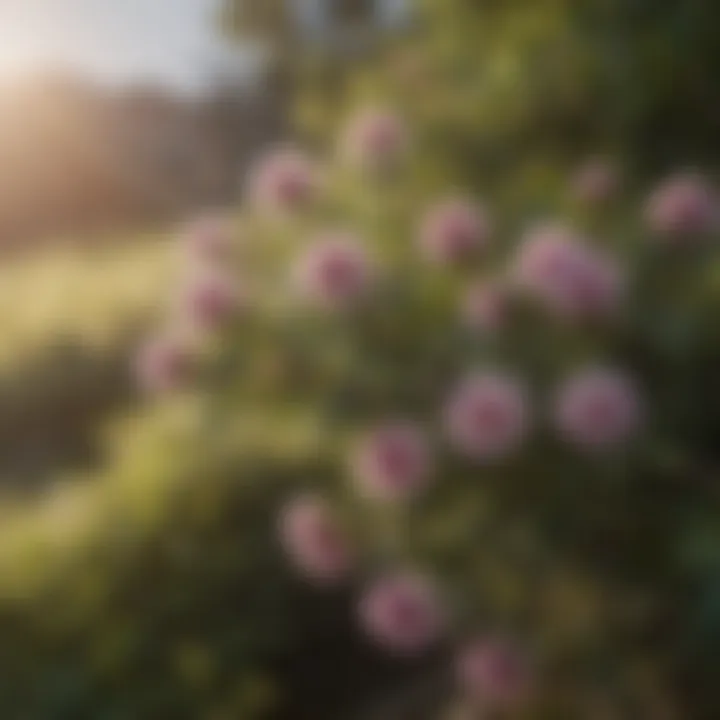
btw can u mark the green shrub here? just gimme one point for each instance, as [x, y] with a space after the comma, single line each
[161, 589]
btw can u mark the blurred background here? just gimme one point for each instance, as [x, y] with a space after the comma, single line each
[138, 576]
[120, 115]
[118, 120]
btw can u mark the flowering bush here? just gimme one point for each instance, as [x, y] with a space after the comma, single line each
[459, 404]
[501, 424]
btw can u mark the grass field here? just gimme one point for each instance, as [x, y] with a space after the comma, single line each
[68, 321]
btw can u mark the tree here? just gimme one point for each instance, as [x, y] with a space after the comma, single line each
[635, 75]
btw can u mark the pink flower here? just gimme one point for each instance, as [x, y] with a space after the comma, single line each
[494, 674]
[314, 540]
[164, 363]
[485, 306]
[210, 300]
[453, 231]
[375, 140]
[393, 462]
[598, 408]
[596, 182]
[683, 205]
[286, 181]
[335, 271]
[403, 613]
[567, 276]
[486, 416]
[209, 238]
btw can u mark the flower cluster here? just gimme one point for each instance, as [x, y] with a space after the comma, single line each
[568, 276]
[285, 182]
[393, 462]
[376, 141]
[336, 271]
[403, 612]
[684, 207]
[485, 416]
[598, 408]
[315, 540]
[208, 298]
[454, 231]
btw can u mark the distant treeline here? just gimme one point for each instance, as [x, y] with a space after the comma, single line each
[77, 159]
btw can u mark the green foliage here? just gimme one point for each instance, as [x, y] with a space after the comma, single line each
[155, 588]
[594, 558]
[500, 82]
[69, 320]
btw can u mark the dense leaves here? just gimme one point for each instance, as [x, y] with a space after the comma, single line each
[586, 539]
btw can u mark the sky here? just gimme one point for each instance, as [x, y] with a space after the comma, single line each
[172, 42]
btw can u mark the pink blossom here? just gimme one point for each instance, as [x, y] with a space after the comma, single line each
[453, 231]
[486, 416]
[376, 139]
[494, 674]
[484, 306]
[393, 461]
[596, 182]
[683, 205]
[314, 540]
[403, 613]
[598, 408]
[164, 363]
[335, 271]
[210, 300]
[285, 181]
[570, 278]
[209, 238]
